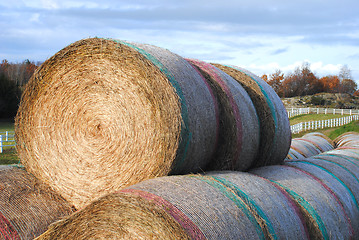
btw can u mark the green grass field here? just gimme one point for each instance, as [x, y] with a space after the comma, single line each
[8, 156]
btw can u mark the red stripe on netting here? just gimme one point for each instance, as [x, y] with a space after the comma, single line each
[315, 144]
[192, 230]
[298, 150]
[213, 73]
[216, 107]
[292, 204]
[7, 231]
[331, 192]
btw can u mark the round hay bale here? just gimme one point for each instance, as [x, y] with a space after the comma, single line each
[238, 139]
[124, 113]
[317, 136]
[27, 206]
[294, 154]
[275, 134]
[334, 181]
[323, 212]
[305, 147]
[354, 153]
[212, 206]
[347, 139]
[348, 162]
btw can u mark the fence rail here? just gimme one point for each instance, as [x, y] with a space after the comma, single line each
[299, 111]
[7, 139]
[328, 123]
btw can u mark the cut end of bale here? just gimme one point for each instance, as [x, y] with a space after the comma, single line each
[95, 115]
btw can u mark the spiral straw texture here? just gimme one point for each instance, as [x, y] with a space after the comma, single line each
[27, 206]
[239, 126]
[102, 114]
[275, 134]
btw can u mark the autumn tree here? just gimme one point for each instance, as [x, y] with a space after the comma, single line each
[275, 81]
[330, 83]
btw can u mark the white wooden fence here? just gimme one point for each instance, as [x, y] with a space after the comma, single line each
[329, 123]
[299, 111]
[7, 139]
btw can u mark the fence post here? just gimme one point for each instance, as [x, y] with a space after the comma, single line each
[342, 111]
[334, 111]
[350, 112]
[7, 136]
[0, 143]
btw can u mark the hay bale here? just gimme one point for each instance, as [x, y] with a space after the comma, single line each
[226, 205]
[238, 138]
[345, 161]
[317, 136]
[350, 152]
[348, 139]
[123, 113]
[294, 154]
[305, 147]
[340, 182]
[27, 206]
[323, 212]
[275, 134]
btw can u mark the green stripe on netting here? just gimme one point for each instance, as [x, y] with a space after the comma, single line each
[337, 164]
[270, 104]
[186, 135]
[252, 205]
[338, 179]
[348, 158]
[236, 200]
[306, 205]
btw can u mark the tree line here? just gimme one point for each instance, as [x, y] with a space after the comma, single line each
[13, 77]
[303, 82]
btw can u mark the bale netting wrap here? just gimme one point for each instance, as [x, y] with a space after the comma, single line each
[27, 206]
[275, 134]
[345, 161]
[341, 188]
[306, 147]
[323, 212]
[317, 136]
[238, 139]
[293, 154]
[208, 206]
[349, 152]
[103, 114]
[322, 142]
[348, 139]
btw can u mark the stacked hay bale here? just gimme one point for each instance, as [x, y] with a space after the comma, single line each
[239, 126]
[127, 112]
[27, 206]
[275, 134]
[309, 145]
[315, 198]
[124, 113]
[323, 212]
[347, 140]
[339, 180]
[226, 205]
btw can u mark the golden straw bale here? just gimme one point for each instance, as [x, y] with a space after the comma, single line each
[103, 114]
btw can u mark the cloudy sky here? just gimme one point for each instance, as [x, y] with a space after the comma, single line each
[260, 35]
